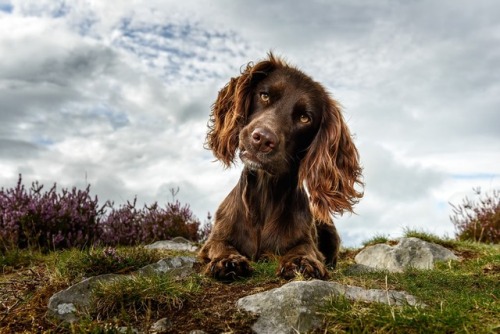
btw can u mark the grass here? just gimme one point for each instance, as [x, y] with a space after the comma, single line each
[429, 237]
[136, 295]
[16, 259]
[464, 302]
[376, 239]
[461, 296]
[75, 264]
[412, 233]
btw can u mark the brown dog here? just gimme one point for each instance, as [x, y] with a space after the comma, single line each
[290, 134]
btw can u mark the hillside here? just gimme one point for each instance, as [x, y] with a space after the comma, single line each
[459, 296]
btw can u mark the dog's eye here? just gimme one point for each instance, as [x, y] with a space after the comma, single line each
[304, 119]
[264, 97]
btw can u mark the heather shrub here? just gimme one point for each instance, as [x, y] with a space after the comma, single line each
[205, 229]
[129, 225]
[478, 219]
[47, 219]
[122, 226]
[171, 221]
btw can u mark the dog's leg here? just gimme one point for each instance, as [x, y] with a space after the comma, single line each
[328, 243]
[223, 261]
[304, 259]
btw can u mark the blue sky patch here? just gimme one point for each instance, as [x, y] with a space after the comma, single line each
[6, 7]
[475, 176]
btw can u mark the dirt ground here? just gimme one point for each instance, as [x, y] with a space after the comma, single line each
[24, 295]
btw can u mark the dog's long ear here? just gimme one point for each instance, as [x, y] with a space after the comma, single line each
[331, 167]
[225, 121]
[230, 110]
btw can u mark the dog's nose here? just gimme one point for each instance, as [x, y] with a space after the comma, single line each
[264, 140]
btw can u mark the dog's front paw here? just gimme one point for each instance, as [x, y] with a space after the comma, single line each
[229, 268]
[307, 267]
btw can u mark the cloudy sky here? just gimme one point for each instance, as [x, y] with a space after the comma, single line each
[117, 94]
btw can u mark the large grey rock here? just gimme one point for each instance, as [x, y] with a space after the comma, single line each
[178, 243]
[409, 252]
[66, 305]
[293, 307]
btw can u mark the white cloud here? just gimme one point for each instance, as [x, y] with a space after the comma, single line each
[392, 180]
[118, 94]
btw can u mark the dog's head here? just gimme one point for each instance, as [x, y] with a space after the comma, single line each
[281, 121]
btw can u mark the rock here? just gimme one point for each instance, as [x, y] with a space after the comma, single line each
[128, 330]
[161, 326]
[356, 269]
[178, 243]
[179, 266]
[181, 240]
[409, 252]
[292, 307]
[65, 305]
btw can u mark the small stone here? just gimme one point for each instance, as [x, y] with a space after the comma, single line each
[161, 326]
[178, 244]
[179, 266]
[128, 330]
[181, 240]
[355, 269]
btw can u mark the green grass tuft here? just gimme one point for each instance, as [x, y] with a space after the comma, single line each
[357, 317]
[75, 264]
[461, 296]
[376, 239]
[264, 271]
[138, 295]
[429, 237]
[18, 258]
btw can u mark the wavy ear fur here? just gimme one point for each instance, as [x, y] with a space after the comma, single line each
[331, 167]
[230, 110]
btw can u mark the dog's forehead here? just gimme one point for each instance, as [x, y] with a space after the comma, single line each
[288, 78]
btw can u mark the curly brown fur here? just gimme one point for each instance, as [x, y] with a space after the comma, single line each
[290, 134]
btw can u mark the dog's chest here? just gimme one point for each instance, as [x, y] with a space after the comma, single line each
[272, 237]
